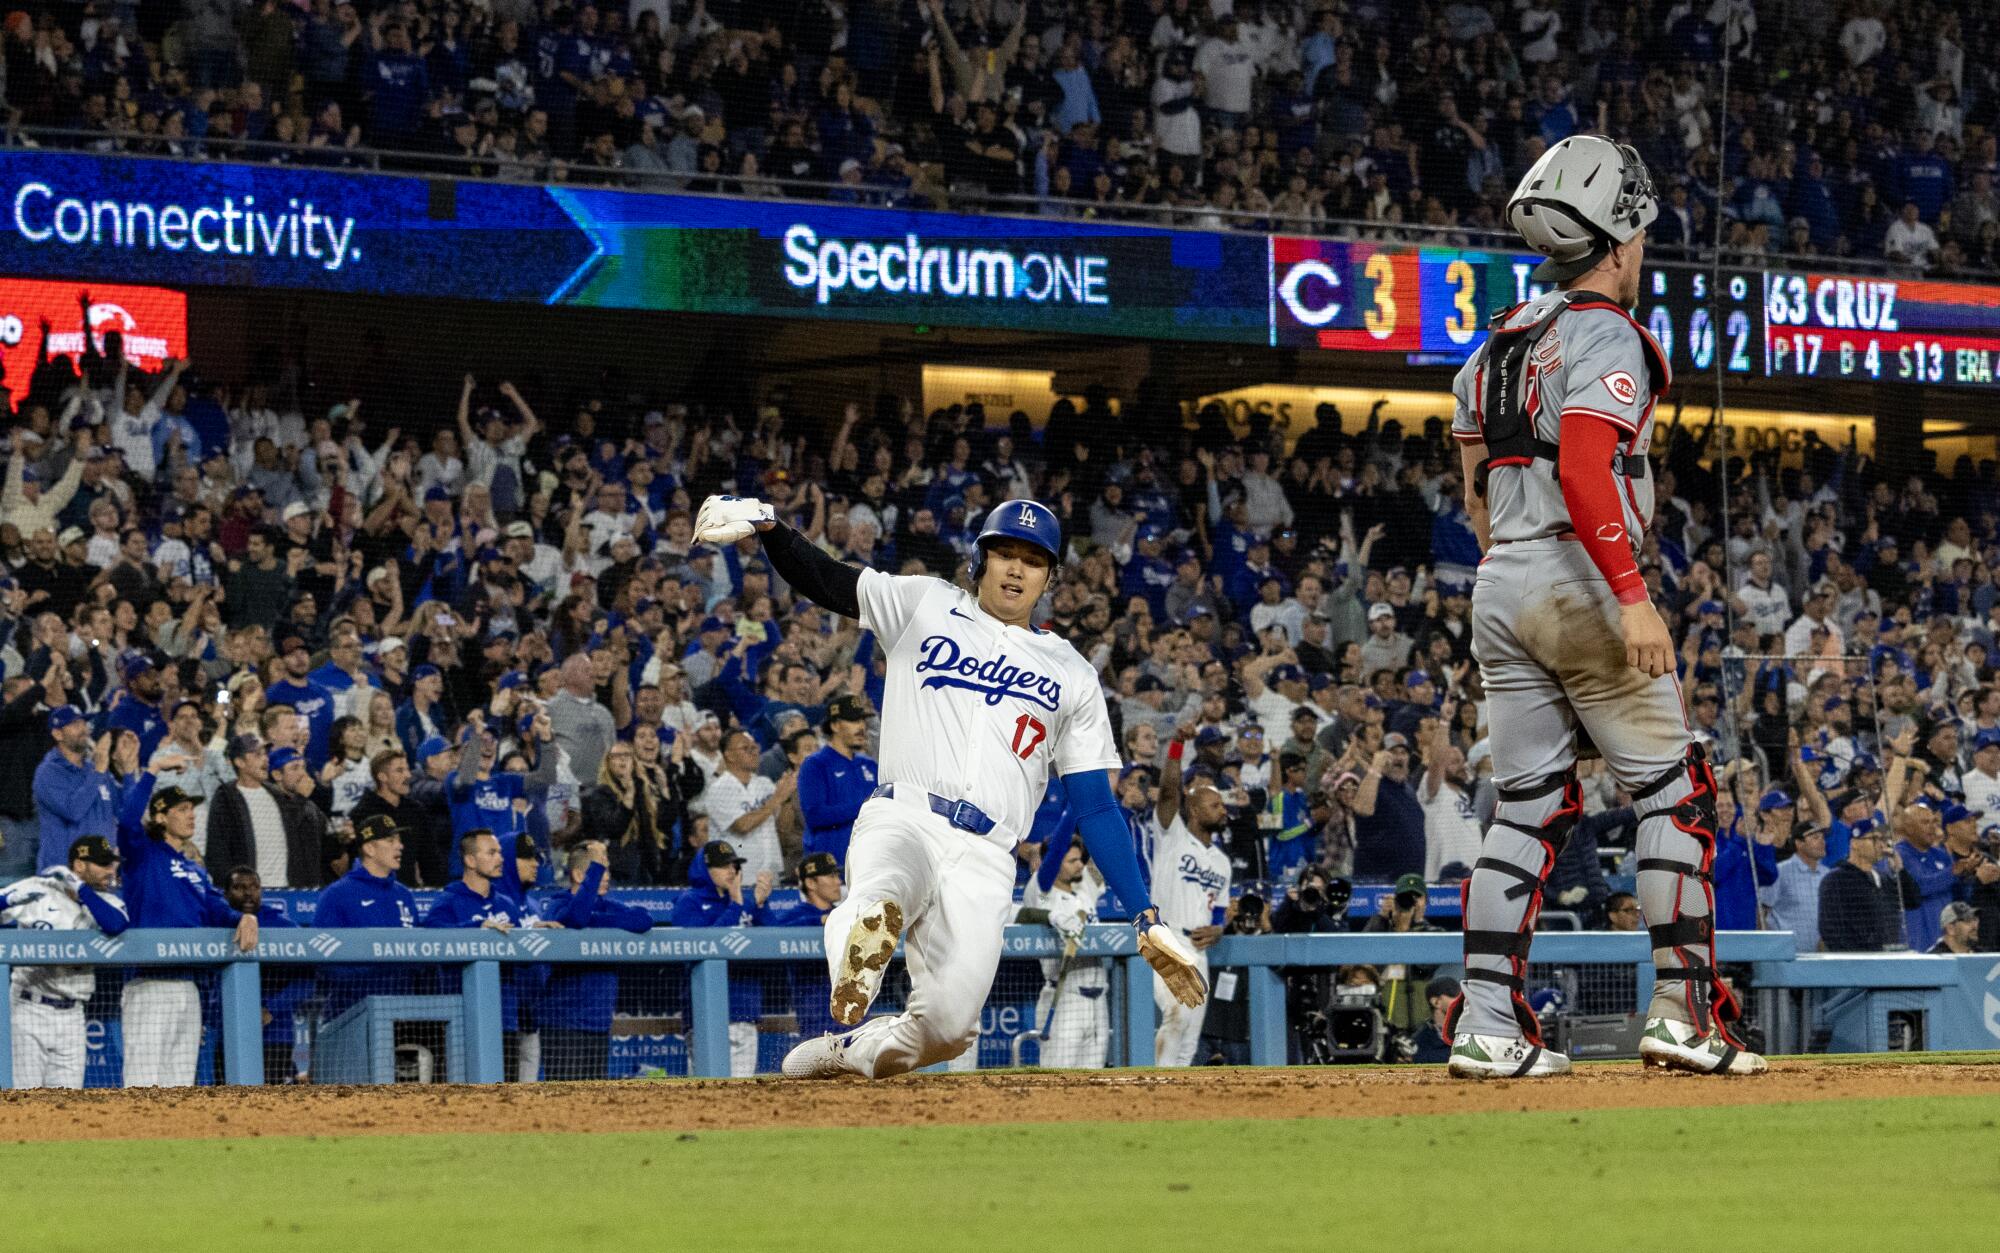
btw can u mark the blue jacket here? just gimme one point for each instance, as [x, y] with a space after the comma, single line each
[312, 703]
[1931, 868]
[708, 906]
[832, 789]
[1741, 867]
[163, 888]
[460, 906]
[142, 719]
[411, 731]
[488, 803]
[359, 899]
[581, 998]
[74, 800]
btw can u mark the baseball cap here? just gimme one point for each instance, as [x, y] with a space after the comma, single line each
[1986, 739]
[425, 671]
[520, 530]
[1955, 812]
[94, 849]
[719, 853]
[62, 715]
[1151, 683]
[1957, 911]
[1443, 985]
[1381, 609]
[282, 757]
[134, 665]
[1209, 735]
[1344, 778]
[818, 863]
[1776, 798]
[1288, 673]
[1372, 701]
[845, 709]
[1410, 883]
[242, 745]
[1709, 606]
[297, 509]
[165, 798]
[291, 641]
[70, 535]
[436, 494]
[712, 623]
[1395, 739]
[376, 827]
[1417, 677]
[1834, 702]
[390, 644]
[1320, 682]
[431, 747]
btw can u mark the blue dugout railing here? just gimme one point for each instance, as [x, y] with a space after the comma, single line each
[1959, 997]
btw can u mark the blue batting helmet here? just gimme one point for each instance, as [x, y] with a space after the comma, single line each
[1024, 520]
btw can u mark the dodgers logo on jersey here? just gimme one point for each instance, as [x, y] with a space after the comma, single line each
[996, 679]
[1201, 876]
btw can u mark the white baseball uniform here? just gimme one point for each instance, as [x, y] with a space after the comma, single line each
[1190, 882]
[1080, 1027]
[48, 1001]
[973, 711]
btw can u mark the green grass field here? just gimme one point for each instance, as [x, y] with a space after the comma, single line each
[1821, 1177]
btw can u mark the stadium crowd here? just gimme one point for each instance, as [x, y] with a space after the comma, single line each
[1851, 128]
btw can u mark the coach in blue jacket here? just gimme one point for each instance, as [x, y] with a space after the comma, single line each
[718, 902]
[820, 889]
[576, 1013]
[837, 780]
[73, 794]
[285, 987]
[368, 896]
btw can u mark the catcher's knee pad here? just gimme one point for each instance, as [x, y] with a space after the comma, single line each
[1503, 896]
[1678, 821]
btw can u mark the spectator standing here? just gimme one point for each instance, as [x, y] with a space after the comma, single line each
[161, 1008]
[73, 793]
[1930, 865]
[368, 895]
[719, 903]
[248, 820]
[1389, 820]
[1791, 903]
[835, 781]
[50, 1044]
[313, 703]
[575, 1014]
[430, 799]
[630, 812]
[1452, 831]
[742, 805]
[1861, 904]
[583, 727]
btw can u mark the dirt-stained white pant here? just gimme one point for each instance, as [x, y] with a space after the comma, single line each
[161, 1022]
[1179, 1035]
[956, 891]
[49, 1045]
[1546, 634]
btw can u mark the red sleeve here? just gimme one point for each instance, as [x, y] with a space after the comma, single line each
[1590, 491]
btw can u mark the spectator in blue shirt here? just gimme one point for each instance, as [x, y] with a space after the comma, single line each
[1927, 861]
[1389, 821]
[137, 709]
[1922, 174]
[311, 702]
[575, 1015]
[837, 780]
[73, 794]
[285, 987]
[397, 85]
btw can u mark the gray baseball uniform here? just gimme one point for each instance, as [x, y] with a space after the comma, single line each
[1551, 652]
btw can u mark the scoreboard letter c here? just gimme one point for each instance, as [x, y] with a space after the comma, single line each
[1289, 292]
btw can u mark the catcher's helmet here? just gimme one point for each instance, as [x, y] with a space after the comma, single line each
[1585, 196]
[1024, 520]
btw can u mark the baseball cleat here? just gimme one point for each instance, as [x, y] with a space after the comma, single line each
[822, 1057]
[871, 941]
[1502, 1057]
[1672, 1045]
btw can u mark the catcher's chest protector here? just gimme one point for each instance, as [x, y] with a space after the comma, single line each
[1510, 406]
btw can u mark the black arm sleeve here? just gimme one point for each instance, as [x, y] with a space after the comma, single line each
[812, 574]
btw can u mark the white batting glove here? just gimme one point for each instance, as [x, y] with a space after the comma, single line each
[726, 519]
[1171, 957]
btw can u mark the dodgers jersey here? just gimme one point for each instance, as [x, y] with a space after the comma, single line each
[1190, 879]
[1593, 363]
[1070, 903]
[54, 910]
[975, 710]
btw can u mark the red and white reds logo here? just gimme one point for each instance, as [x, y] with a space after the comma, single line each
[1621, 386]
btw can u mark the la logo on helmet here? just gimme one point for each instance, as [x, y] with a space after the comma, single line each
[1027, 518]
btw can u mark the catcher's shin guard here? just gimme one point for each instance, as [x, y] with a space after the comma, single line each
[1502, 898]
[1676, 854]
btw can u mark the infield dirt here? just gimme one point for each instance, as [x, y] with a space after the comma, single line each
[919, 1100]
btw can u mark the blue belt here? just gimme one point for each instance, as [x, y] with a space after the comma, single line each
[53, 1002]
[964, 815]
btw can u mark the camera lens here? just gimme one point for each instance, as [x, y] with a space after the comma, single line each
[1406, 900]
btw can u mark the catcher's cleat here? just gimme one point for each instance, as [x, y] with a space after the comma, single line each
[1671, 1045]
[871, 941]
[822, 1057]
[1502, 1057]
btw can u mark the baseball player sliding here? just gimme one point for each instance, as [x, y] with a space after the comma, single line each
[1554, 417]
[979, 709]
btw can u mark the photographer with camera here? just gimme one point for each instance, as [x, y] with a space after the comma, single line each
[1316, 906]
[1401, 986]
[1225, 1032]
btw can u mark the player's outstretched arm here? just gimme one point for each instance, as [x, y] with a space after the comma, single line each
[1109, 842]
[799, 562]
